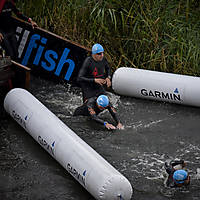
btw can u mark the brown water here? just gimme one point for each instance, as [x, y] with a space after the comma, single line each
[154, 132]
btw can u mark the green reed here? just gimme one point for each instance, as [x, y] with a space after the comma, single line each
[151, 34]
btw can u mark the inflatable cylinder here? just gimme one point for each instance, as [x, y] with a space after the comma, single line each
[92, 171]
[173, 88]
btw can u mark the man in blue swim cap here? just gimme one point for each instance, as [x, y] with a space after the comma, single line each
[95, 105]
[94, 74]
[178, 176]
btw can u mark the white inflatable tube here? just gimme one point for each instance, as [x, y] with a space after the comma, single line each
[154, 85]
[93, 172]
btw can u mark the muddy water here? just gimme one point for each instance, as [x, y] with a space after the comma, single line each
[155, 132]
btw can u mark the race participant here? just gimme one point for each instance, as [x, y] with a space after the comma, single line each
[94, 74]
[7, 32]
[177, 175]
[93, 106]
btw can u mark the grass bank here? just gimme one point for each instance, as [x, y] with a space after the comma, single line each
[159, 35]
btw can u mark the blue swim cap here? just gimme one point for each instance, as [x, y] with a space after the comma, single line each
[179, 176]
[97, 48]
[103, 101]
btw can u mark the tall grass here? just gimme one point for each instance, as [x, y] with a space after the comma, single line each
[151, 34]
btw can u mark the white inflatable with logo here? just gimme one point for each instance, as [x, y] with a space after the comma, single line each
[92, 171]
[155, 85]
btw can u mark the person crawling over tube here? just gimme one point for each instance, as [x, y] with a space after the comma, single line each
[177, 175]
[95, 105]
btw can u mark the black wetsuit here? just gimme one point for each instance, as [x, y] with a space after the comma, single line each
[90, 70]
[90, 108]
[7, 29]
[170, 170]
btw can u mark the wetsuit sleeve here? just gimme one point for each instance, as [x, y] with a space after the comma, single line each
[177, 162]
[96, 118]
[170, 168]
[18, 13]
[113, 113]
[170, 171]
[82, 75]
[107, 69]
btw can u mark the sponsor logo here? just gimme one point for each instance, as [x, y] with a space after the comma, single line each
[19, 118]
[48, 59]
[23, 41]
[175, 96]
[95, 72]
[48, 147]
[76, 174]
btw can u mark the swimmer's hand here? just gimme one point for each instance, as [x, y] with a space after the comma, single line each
[109, 126]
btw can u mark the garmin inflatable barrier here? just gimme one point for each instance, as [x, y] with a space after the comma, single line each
[92, 171]
[173, 88]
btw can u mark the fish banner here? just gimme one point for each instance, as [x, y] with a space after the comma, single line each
[47, 54]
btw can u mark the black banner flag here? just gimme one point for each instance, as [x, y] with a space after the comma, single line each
[47, 54]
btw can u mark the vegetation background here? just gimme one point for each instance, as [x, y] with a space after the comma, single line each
[159, 35]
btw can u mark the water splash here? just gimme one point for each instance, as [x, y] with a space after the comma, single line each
[198, 174]
[114, 99]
